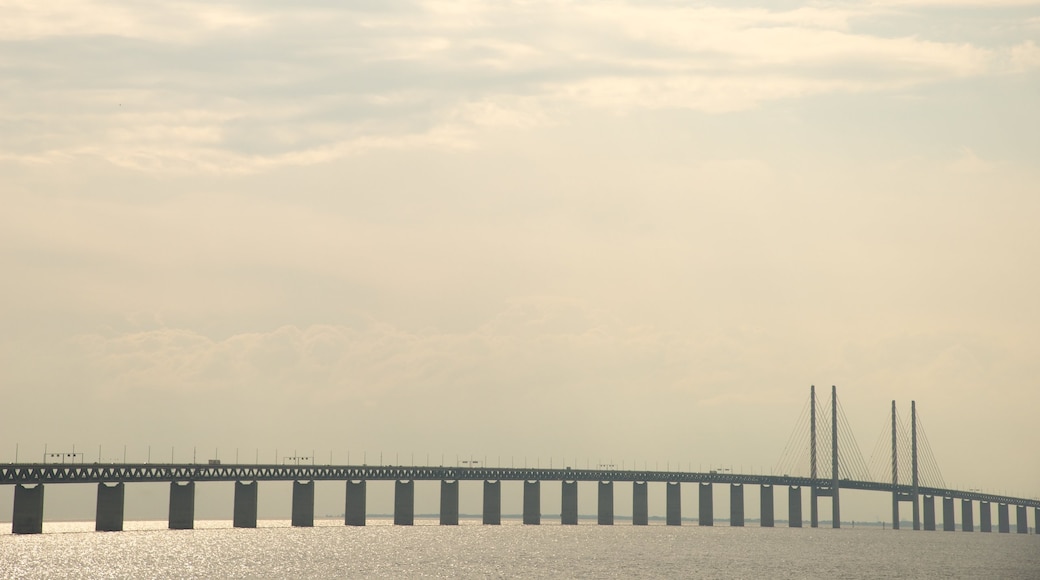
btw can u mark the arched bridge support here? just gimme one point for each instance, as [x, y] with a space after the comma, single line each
[27, 517]
[245, 504]
[492, 503]
[532, 503]
[706, 511]
[766, 494]
[182, 505]
[673, 503]
[794, 507]
[356, 511]
[449, 503]
[303, 504]
[640, 504]
[404, 502]
[569, 504]
[109, 515]
[605, 516]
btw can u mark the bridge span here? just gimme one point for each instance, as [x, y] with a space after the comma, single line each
[30, 479]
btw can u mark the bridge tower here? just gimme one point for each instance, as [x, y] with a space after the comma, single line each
[813, 515]
[835, 504]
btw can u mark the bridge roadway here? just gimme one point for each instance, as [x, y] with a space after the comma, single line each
[34, 473]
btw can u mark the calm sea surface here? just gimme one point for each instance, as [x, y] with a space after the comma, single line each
[331, 550]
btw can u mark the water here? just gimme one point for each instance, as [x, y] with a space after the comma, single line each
[380, 550]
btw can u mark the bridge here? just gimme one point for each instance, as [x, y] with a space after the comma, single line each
[29, 480]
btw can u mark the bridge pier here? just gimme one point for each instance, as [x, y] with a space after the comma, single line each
[182, 505]
[245, 504]
[1021, 520]
[606, 503]
[673, 503]
[569, 513]
[948, 524]
[929, 512]
[794, 507]
[404, 502]
[356, 510]
[1036, 520]
[532, 503]
[492, 503]
[303, 504]
[640, 505]
[736, 505]
[109, 515]
[706, 511]
[1003, 519]
[27, 517]
[814, 514]
[967, 516]
[766, 494]
[985, 517]
[449, 503]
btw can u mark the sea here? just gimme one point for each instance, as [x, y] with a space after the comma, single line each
[275, 549]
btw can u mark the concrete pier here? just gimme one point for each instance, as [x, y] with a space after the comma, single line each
[967, 516]
[985, 517]
[27, 517]
[303, 504]
[640, 504]
[404, 502]
[492, 503]
[736, 505]
[706, 508]
[532, 503]
[569, 511]
[929, 512]
[182, 505]
[245, 504]
[1003, 519]
[109, 515]
[449, 503]
[356, 511]
[1021, 521]
[605, 514]
[1036, 520]
[673, 503]
[948, 524]
[766, 494]
[814, 511]
[794, 507]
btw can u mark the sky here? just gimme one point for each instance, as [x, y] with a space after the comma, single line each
[517, 231]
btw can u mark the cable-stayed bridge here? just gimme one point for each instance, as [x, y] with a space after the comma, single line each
[914, 478]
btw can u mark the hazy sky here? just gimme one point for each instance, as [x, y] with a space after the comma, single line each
[603, 231]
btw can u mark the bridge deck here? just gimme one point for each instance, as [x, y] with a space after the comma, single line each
[33, 473]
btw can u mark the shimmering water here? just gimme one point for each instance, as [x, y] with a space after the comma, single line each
[331, 550]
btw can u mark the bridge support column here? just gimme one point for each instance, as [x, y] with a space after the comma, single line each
[27, 517]
[182, 505]
[929, 512]
[245, 504]
[450, 503]
[985, 517]
[109, 515]
[606, 503]
[1021, 521]
[967, 516]
[356, 509]
[492, 503]
[404, 502]
[895, 510]
[569, 511]
[948, 524]
[532, 503]
[766, 494]
[640, 505]
[673, 503]
[706, 511]
[736, 505]
[814, 515]
[303, 504]
[1036, 520]
[794, 507]
[1003, 519]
